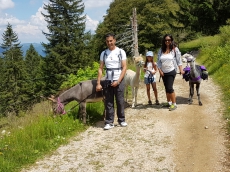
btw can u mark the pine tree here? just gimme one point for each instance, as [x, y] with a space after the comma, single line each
[33, 64]
[66, 47]
[13, 96]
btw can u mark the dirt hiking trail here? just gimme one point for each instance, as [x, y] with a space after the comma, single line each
[191, 138]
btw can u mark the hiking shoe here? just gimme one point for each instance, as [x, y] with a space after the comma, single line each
[165, 105]
[172, 107]
[108, 126]
[157, 102]
[123, 124]
[149, 102]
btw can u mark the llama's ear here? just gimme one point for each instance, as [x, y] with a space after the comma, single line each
[184, 60]
[134, 58]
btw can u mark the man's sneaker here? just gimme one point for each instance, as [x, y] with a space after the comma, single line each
[165, 105]
[123, 124]
[172, 107]
[157, 102]
[108, 126]
[149, 102]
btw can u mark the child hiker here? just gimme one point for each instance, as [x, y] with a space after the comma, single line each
[150, 69]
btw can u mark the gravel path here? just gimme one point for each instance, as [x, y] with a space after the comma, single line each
[190, 139]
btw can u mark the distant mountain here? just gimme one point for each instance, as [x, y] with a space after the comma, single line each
[25, 46]
[38, 47]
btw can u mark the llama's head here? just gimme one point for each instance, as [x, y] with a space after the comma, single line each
[187, 58]
[139, 61]
[57, 106]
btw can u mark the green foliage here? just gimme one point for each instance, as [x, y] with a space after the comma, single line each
[82, 75]
[22, 146]
[224, 35]
[154, 19]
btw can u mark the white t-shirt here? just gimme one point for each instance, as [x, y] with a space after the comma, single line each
[149, 67]
[167, 62]
[112, 61]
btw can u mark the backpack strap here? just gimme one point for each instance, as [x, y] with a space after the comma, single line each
[105, 56]
[112, 69]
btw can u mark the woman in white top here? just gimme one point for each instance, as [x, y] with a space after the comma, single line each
[150, 69]
[169, 59]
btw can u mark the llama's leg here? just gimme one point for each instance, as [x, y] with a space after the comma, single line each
[191, 92]
[126, 94]
[133, 95]
[198, 93]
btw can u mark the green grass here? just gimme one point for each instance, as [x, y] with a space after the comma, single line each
[199, 43]
[25, 139]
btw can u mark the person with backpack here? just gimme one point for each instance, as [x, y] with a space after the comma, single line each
[169, 59]
[150, 69]
[114, 59]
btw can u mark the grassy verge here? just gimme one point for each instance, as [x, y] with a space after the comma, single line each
[25, 139]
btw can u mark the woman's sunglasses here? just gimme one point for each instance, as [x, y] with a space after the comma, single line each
[167, 40]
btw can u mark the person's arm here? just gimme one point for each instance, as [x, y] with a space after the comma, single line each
[178, 60]
[159, 64]
[100, 69]
[181, 70]
[155, 68]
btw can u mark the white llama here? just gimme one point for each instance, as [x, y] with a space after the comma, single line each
[133, 78]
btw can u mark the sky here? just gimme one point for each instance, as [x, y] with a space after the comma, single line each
[28, 23]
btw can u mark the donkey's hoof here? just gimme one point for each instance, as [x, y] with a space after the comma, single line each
[200, 104]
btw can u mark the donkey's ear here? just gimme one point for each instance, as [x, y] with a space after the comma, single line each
[52, 98]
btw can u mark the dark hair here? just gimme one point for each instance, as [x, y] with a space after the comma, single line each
[163, 45]
[109, 34]
[146, 61]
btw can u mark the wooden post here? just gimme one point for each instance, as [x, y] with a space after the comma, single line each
[135, 37]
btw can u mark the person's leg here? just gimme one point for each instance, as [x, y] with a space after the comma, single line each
[173, 97]
[119, 95]
[146, 81]
[148, 91]
[166, 84]
[109, 104]
[171, 92]
[154, 85]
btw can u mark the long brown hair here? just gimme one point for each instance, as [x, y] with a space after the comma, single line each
[163, 45]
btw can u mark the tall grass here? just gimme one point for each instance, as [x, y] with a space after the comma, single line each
[25, 139]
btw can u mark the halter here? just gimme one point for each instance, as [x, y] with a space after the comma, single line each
[140, 64]
[60, 107]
